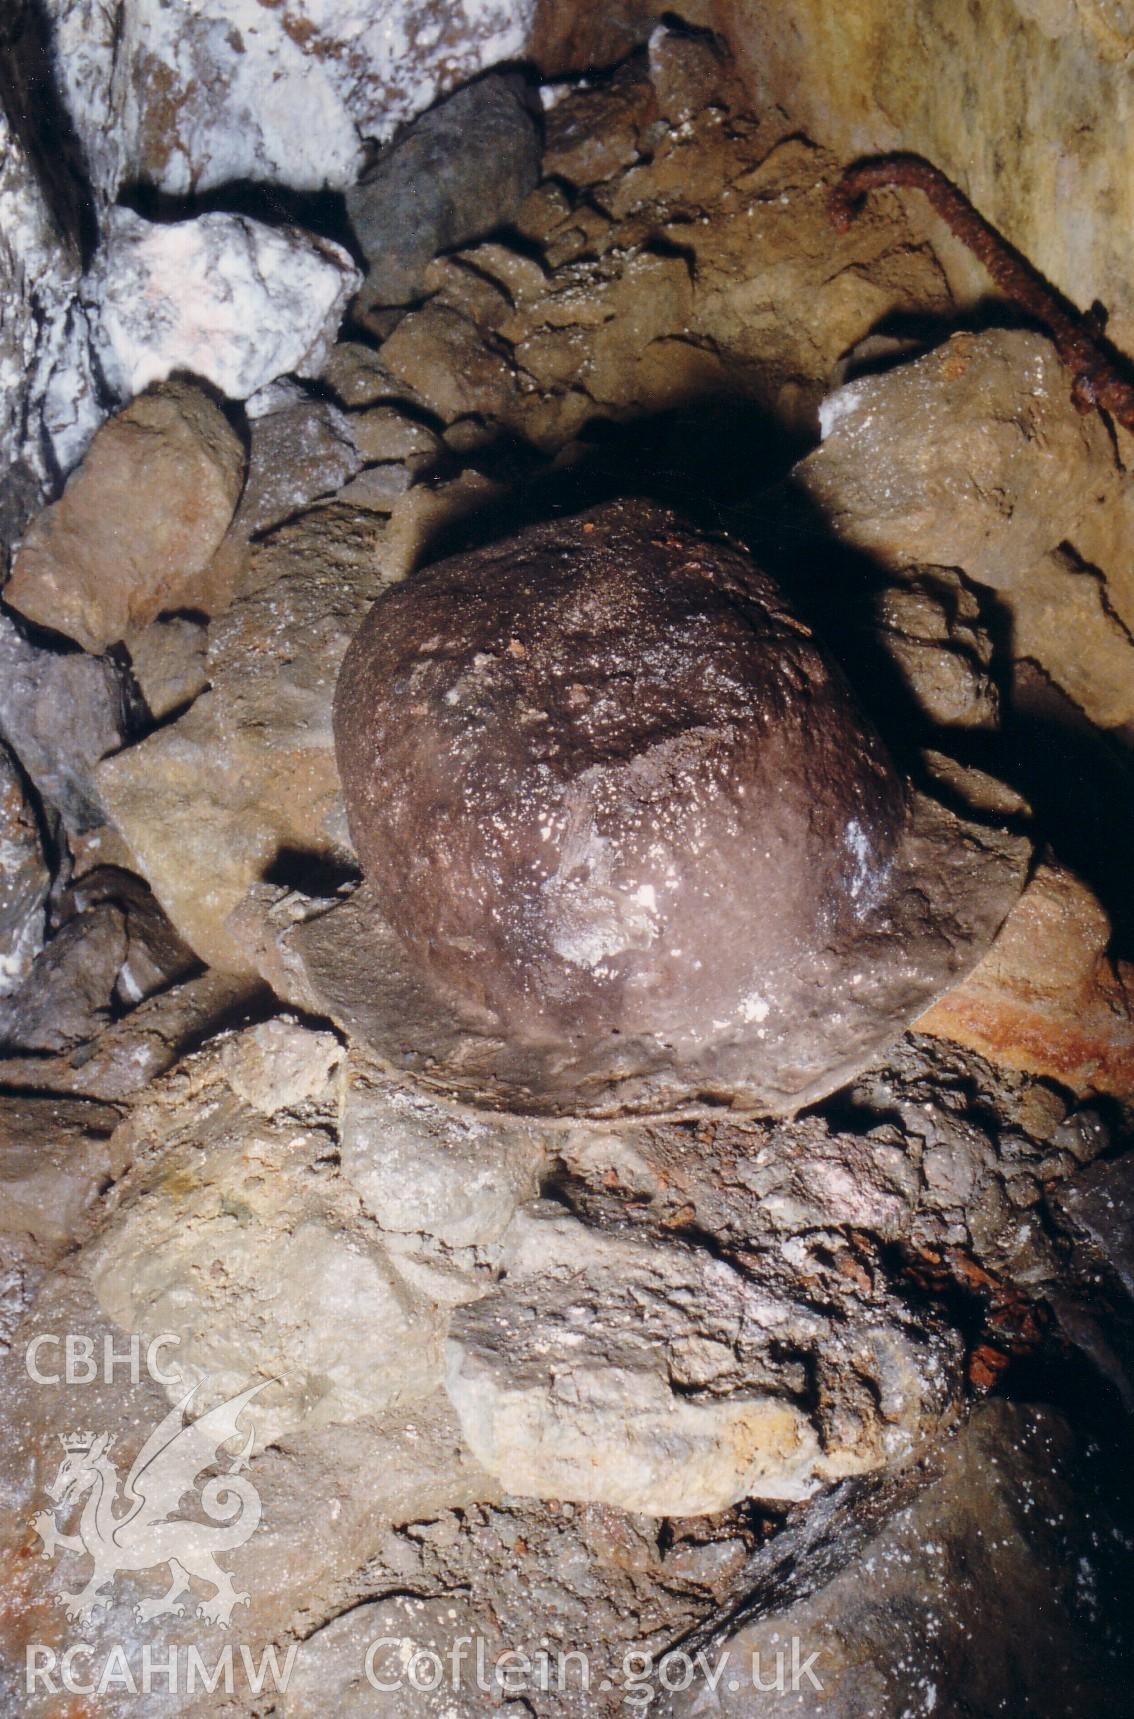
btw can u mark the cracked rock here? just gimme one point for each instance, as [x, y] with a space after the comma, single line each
[658, 1379]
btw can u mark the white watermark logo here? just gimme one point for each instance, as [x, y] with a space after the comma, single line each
[137, 1528]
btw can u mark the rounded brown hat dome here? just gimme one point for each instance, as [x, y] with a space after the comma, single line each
[619, 810]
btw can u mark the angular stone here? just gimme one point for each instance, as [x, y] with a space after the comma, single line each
[68, 993]
[253, 1254]
[972, 457]
[170, 466]
[221, 296]
[457, 172]
[167, 660]
[190, 100]
[423, 1167]
[24, 878]
[387, 1636]
[55, 1160]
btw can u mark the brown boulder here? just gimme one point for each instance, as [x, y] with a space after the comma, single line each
[138, 523]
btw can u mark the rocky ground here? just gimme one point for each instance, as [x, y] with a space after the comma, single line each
[856, 1384]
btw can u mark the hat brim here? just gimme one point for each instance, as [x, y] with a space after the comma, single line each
[951, 888]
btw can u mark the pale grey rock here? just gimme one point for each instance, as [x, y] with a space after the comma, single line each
[656, 1378]
[279, 1065]
[254, 1254]
[48, 405]
[222, 297]
[425, 1167]
[190, 98]
[24, 877]
[457, 172]
[60, 712]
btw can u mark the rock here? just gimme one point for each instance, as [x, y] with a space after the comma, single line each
[1002, 99]
[1047, 998]
[167, 660]
[127, 1054]
[155, 955]
[377, 1662]
[1064, 620]
[170, 464]
[972, 457]
[457, 172]
[246, 777]
[55, 1161]
[1002, 1531]
[190, 101]
[68, 993]
[1097, 1208]
[226, 298]
[656, 1378]
[45, 380]
[24, 878]
[253, 1254]
[300, 449]
[422, 1167]
[60, 712]
[931, 628]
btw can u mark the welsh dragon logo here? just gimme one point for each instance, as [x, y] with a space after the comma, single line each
[139, 1530]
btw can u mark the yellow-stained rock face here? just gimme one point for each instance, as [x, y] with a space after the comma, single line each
[1026, 104]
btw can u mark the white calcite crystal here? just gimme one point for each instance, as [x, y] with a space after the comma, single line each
[191, 97]
[225, 298]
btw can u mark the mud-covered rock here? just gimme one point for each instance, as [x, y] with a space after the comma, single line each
[657, 1379]
[560, 753]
